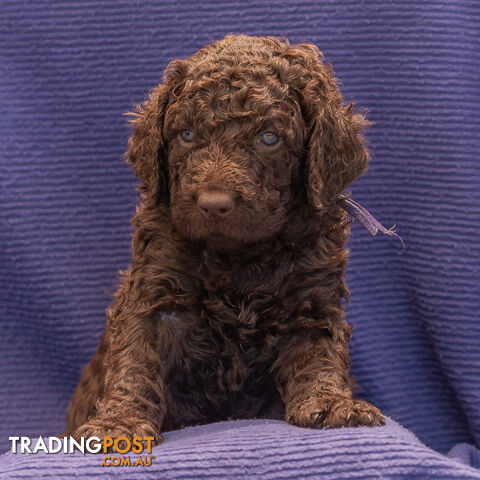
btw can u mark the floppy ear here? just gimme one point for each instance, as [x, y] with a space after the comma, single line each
[147, 149]
[336, 153]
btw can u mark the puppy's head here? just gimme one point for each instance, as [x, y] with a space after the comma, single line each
[238, 133]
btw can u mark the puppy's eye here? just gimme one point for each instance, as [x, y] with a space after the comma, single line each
[269, 138]
[188, 135]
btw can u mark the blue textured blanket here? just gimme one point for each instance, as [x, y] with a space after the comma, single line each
[68, 70]
[264, 449]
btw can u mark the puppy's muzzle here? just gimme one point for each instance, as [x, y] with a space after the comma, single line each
[215, 205]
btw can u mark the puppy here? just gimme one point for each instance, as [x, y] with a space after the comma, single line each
[233, 305]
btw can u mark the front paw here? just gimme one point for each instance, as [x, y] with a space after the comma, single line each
[113, 428]
[333, 411]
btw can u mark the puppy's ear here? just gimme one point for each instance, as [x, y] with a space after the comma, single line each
[336, 153]
[147, 149]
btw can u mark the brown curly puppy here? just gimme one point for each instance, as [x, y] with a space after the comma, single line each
[233, 306]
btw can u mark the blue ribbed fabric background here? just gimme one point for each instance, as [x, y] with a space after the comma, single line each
[68, 70]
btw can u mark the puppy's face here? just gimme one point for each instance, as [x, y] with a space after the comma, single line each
[240, 131]
[234, 150]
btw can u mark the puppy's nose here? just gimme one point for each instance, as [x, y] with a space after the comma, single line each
[215, 204]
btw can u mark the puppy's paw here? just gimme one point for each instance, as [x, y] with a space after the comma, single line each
[333, 411]
[101, 428]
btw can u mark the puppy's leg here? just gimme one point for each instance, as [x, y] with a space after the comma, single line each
[133, 399]
[89, 389]
[132, 403]
[311, 374]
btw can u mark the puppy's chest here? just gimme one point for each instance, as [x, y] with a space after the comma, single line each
[244, 308]
[238, 341]
[241, 325]
[230, 337]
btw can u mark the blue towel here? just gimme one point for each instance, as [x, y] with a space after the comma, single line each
[68, 70]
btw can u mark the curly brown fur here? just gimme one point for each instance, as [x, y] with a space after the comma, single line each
[233, 312]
